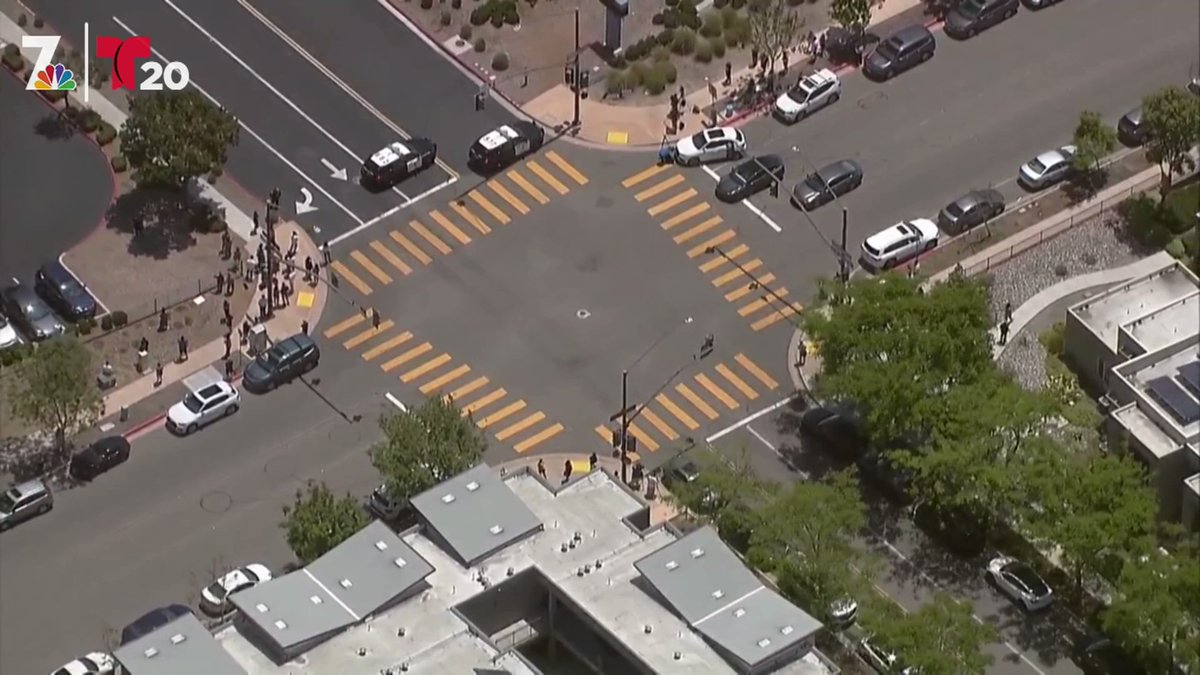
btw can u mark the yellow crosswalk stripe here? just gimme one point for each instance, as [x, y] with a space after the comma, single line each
[368, 334]
[449, 227]
[659, 424]
[354, 280]
[719, 260]
[516, 428]
[547, 177]
[644, 175]
[471, 218]
[412, 248]
[677, 411]
[375, 271]
[672, 202]
[507, 411]
[394, 260]
[713, 389]
[779, 314]
[540, 437]
[757, 372]
[737, 382]
[481, 402]
[696, 401]
[741, 291]
[407, 356]
[566, 167]
[466, 389]
[643, 437]
[686, 215]
[525, 185]
[425, 368]
[744, 271]
[659, 188]
[488, 206]
[430, 237]
[385, 347]
[508, 197]
[344, 325]
[443, 380]
[697, 230]
[699, 249]
[605, 433]
[752, 307]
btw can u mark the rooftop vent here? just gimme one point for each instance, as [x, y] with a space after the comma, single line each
[786, 630]
[345, 583]
[447, 499]
[280, 624]
[150, 653]
[718, 594]
[380, 546]
[764, 643]
[472, 486]
[178, 638]
[315, 599]
[495, 529]
[261, 608]
[697, 552]
[739, 613]
[400, 562]
[671, 565]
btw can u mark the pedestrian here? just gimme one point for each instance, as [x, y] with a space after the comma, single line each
[254, 222]
[541, 468]
[262, 255]
[754, 57]
[325, 253]
[228, 344]
[293, 245]
[143, 345]
[162, 320]
[375, 319]
[728, 73]
[285, 292]
[802, 354]
[158, 370]
[228, 313]
[821, 44]
[1004, 326]
[262, 308]
[785, 60]
[237, 261]
[566, 471]
[226, 245]
[220, 283]
[139, 225]
[183, 348]
[1008, 311]
[308, 269]
[245, 331]
[317, 275]
[228, 369]
[304, 326]
[276, 294]
[593, 460]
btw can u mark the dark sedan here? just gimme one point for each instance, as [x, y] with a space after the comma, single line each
[1131, 128]
[99, 457]
[837, 428]
[152, 621]
[30, 313]
[281, 363]
[826, 184]
[971, 210]
[973, 16]
[750, 177]
[59, 287]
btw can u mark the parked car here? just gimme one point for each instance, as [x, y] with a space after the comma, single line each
[24, 501]
[1048, 168]
[284, 361]
[99, 457]
[750, 177]
[898, 243]
[972, 16]
[837, 427]
[8, 334]
[152, 621]
[959, 530]
[203, 406]
[95, 663]
[810, 94]
[505, 145]
[1020, 582]
[827, 183]
[711, 145]
[383, 506]
[59, 287]
[905, 48]
[1040, 4]
[893, 480]
[971, 210]
[30, 313]
[1130, 129]
[882, 659]
[214, 598]
[397, 161]
[1096, 654]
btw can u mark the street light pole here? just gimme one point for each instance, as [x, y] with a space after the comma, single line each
[624, 426]
[578, 88]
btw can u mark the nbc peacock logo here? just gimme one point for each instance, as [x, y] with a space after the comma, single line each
[55, 77]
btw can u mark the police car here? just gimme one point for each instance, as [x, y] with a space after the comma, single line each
[506, 144]
[398, 161]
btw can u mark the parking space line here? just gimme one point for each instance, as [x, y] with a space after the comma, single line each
[540, 437]
[412, 248]
[737, 382]
[466, 389]
[716, 391]
[507, 411]
[481, 402]
[387, 346]
[741, 291]
[697, 402]
[344, 325]
[449, 227]
[394, 260]
[754, 370]
[351, 277]
[658, 423]
[744, 270]
[752, 307]
[525, 185]
[442, 380]
[508, 197]
[659, 188]
[644, 175]
[488, 206]
[430, 237]
[672, 202]
[644, 437]
[519, 426]
[407, 356]
[691, 212]
[779, 314]
[547, 177]
[431, 364]
[698, 230]
[566, 167]
[678, 412]
[368, 334]
[699, 249]
[471, 218]
[373, 269]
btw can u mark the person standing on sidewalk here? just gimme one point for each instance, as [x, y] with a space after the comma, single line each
[326, 256]
[183, 348]
[228, 344]
[228, 313]
[262, 308]
[304, 326]
[541, 468]
[158, 373]
[802, 354]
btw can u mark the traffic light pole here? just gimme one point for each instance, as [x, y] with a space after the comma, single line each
[625, 426]
[578, 86]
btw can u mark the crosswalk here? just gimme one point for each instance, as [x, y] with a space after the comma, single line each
[396, 253]
[506, 417]
[713, 245]
[684, 407]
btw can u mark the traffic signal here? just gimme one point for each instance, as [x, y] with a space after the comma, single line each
[631, 444]
[276, 196]
[774, 188]
[616, 438]
[584, 81]
[480, 100]
[569, 75]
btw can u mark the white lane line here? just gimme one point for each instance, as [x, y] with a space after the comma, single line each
[743, 422]
[62, 261]
[754, 433]
[746, 203]
[396, 402]
[250, 131]
[392, 211]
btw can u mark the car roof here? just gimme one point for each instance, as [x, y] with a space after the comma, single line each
[838, 168]
[152, 621]
[814, 80]
[55, 271]
[22, 294]
[29, 487]
[909, 34]
[1051, 157]
[110, 442]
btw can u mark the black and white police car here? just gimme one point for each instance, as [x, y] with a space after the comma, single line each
[506, 144]
[398, 161]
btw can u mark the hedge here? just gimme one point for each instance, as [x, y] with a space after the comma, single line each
[105, 133]
[119, 164]
[89, 121]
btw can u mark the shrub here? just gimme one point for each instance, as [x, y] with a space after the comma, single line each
[617, 61]
[615, 82]
[671, 19]
[106, 322]
[426, 4]
[636, 75]
[704, 52]
[71, 112]
[1144, 218]
[668, 71]
[480, 15]
[657, 19]
[794, 3]
[684, 42]
[22, 20]
[1191, 241]
[444, 18]
[53, 96]
[729, 17]
[89, 120]
[119, 164]
[497, 20]
[654, 81]
[464, 32]
[480, 44]
[720, 4]
[16, 354]
[666, 37]
[737, 4]
[120, 318]
[1176, 248]
[510, 14]
[691, 21]
[105, 133]
[1053, 338]
[500, 62]
[661, 54]
[687, 6]
[12, 58]
[85, 327]
[38, 22]
[712, 25]
[672, 3]
[718, 46]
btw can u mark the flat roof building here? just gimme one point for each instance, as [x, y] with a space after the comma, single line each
[182, 647]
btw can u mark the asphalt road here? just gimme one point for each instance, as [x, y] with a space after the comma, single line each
[44, 161]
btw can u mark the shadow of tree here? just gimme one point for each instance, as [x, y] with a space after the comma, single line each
[54, 127]
[171, 217]
[28, 457]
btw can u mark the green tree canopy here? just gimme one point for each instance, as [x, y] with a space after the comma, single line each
[1094, 140]
[853, 15]
[172, 137]
[1155, 613]
[56, 388]
[941, 638]
[424, 446]
[774, 28]
[317, 521]
[1172, 120]
[725, 493]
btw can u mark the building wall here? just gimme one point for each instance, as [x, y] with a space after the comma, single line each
[1087, 353]
[1166, 473]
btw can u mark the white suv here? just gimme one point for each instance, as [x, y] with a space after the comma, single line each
[812, 93]
[203, 405]
[898, 243]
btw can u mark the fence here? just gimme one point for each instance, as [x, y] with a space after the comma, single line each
[149, 309]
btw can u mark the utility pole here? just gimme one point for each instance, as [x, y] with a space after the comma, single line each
[844, 258]
[578, 84]
[624, 426]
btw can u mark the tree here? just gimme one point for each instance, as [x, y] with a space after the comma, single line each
[317, 521]
[424, 446]
[172, 137]
[1094, 140]
[1172, 119]
[1155, 613]
[941, 638]
[853, 15]
[55, 389]
[774, 27]
[724, 493]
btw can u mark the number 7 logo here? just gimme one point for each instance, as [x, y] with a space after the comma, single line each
[47, 76]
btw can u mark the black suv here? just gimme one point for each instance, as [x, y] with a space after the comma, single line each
[285, 360]
[972, 16]
[906, 48]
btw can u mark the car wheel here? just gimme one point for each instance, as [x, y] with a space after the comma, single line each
[834, 99]
[231, 409]
[929, 55]
[5, 525]
[736, 155]
[44, 508]
[1011, 13]
[932, 245]
[692, 161]
[191, 429]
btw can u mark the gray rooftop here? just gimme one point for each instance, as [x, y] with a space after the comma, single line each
[758, 627]
[698, 575]
[1135, 300]
[182, 647]
[293, 608]
[476, 514]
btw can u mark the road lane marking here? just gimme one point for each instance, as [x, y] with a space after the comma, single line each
[605, 433]
[752, 307]
[659, 188]
[412, 248]
[716, 391]
[471, 218]
[716, 262]
[507, 411]
[644, 175]
[689, 213]
[697, 230]
[746, 202]
[754, 433]
[508, 197]
[407, 356]
[430, 237]
[466, 389]
[566, 167]
[658, 423]
[700, 249]
[344, 325]
[395, 401]
[481, 402]
[697, 402]
[257, 137]
[779, 314]
[672, 202]
[390, 344]
[528, 187]
[442, 380]
[744, 270]
[488, 206]
[386, 253]
[678, 412]
[519, 426]
[547, 177]
[757, 372]
[371, 267]
[425, 368]
[643, 437]
[353, 278]
[368, 334]
[737, 382]
[542, 436]
[747, 420]
[743, 290]
[449, 227]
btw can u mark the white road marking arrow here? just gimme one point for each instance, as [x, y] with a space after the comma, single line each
[306, 205]
[339, 174]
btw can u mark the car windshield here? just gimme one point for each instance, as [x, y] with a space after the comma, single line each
[1036, 166]
[192, 403]
[3, 321]
[270, 359]
[699, 141]
[7, 503]
[1025, 574]
[972, 8]
[218, 591]
[744, 173]
[814, 183]
[955, 210]
[888, 49]
[251, 576]
[36, 310]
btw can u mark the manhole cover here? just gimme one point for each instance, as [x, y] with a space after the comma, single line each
[583, 314]
[216, 502]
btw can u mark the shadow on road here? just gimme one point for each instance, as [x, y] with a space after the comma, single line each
[54, 127]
